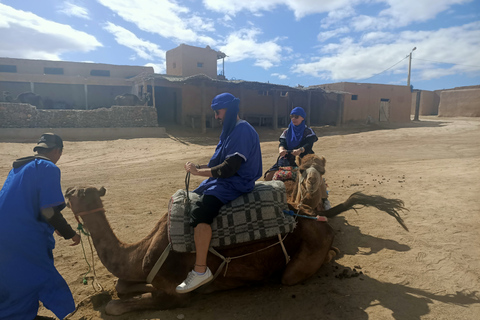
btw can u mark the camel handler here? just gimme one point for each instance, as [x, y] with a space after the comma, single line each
[30, 203]
[232, 171]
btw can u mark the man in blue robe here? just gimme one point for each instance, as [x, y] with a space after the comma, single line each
[232, 171]
[30, 203]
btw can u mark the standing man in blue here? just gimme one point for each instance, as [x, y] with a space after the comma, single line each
[232, 171]
[30, 203]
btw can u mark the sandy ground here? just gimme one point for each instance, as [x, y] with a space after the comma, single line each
[431, 272]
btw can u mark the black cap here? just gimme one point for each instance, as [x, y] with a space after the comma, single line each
[49, 141]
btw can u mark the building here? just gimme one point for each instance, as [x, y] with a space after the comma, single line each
[373, 102]
[185, 61]
[68, 85]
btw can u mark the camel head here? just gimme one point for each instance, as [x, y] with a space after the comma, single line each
[311, 167]
[84, 199]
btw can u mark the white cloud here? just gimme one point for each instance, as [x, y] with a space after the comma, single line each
[163, 17]
[300, 8]
[157, 68]
[279, 76]
[26, 35]
[358, 60]
[73, 10]
[324, 36]
[144, 49]
[243, 44]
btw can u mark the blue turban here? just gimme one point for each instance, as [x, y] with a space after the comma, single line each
[295, 133]
[229, 102]
[299, 112]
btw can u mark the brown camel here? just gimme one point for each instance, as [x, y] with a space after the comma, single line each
[306, 190]
[309, 246]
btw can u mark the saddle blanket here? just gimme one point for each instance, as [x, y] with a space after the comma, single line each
[252, 216]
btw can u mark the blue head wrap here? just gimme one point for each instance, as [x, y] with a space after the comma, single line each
[295, 133]
[229, 102]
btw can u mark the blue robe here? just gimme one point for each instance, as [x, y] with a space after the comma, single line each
[27, 271]
[243, 141]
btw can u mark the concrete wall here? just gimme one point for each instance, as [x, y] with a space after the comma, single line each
[429, 101]
[76, 69]
[19, 115]
[459, 103]
[368, 101]
[183, 61]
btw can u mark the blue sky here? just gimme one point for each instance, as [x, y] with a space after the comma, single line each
[289, 42]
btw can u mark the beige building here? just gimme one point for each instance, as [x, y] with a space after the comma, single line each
[68, 85]
[186, 60]
[373, 102]
[460, 102]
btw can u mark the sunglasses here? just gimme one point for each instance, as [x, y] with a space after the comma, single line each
[294, 116]
[216, 112]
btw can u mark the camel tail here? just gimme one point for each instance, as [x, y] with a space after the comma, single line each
[390, 206]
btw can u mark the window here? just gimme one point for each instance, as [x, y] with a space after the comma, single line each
[53, 70]
[354, 97]
[174, 65]
[384, 99]
[100, 73]
[283, 93]
[200, 64]
[8, 68]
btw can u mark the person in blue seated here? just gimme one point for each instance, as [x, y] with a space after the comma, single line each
[298, 138]
[231, 172]
[31, 201]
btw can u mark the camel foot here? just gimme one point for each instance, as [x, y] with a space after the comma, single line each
[332, 253]
[119, 307]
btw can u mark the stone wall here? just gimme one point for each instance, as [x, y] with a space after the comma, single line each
[459, 103]
[20, 115]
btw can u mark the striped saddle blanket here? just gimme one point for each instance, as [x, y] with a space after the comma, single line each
[252, 216]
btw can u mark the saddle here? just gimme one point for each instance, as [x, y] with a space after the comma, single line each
[252, 216]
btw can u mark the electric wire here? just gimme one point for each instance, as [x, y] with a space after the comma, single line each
[384, 70]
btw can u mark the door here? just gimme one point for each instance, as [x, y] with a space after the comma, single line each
[384, 110]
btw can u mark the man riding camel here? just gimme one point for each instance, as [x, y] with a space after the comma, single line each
[232, 171]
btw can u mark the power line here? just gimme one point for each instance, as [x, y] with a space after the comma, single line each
[457, 64]
[385, 69]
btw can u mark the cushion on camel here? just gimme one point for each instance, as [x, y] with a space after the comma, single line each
[252, 216]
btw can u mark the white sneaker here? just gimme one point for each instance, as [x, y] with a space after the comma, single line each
[194, 280]
[327, 205]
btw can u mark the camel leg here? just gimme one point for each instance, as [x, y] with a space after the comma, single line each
[126, 287]
[313, 252]
[153, 300]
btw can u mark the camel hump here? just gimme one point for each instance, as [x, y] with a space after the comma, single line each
[252, 216]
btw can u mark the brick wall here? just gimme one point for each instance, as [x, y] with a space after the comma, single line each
[20, 115]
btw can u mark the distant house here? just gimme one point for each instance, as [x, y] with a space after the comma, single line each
[460, 102]
[373, 102]
[186, 60]
[79, 85]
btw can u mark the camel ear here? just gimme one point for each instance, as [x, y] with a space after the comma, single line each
[102, 191]
[298, 161]
[70, 191]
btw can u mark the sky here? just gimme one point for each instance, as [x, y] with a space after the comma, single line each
[287, 42]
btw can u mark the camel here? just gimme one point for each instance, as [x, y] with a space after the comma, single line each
[309, 246]
[305, 191]
[128, 99]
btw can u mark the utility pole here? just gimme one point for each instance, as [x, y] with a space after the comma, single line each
[410, 66]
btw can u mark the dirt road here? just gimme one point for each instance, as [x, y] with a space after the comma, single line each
[431, 272]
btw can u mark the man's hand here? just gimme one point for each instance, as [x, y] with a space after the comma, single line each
[190, 167]
[297, 152]
[75, 239]
[282, 152]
